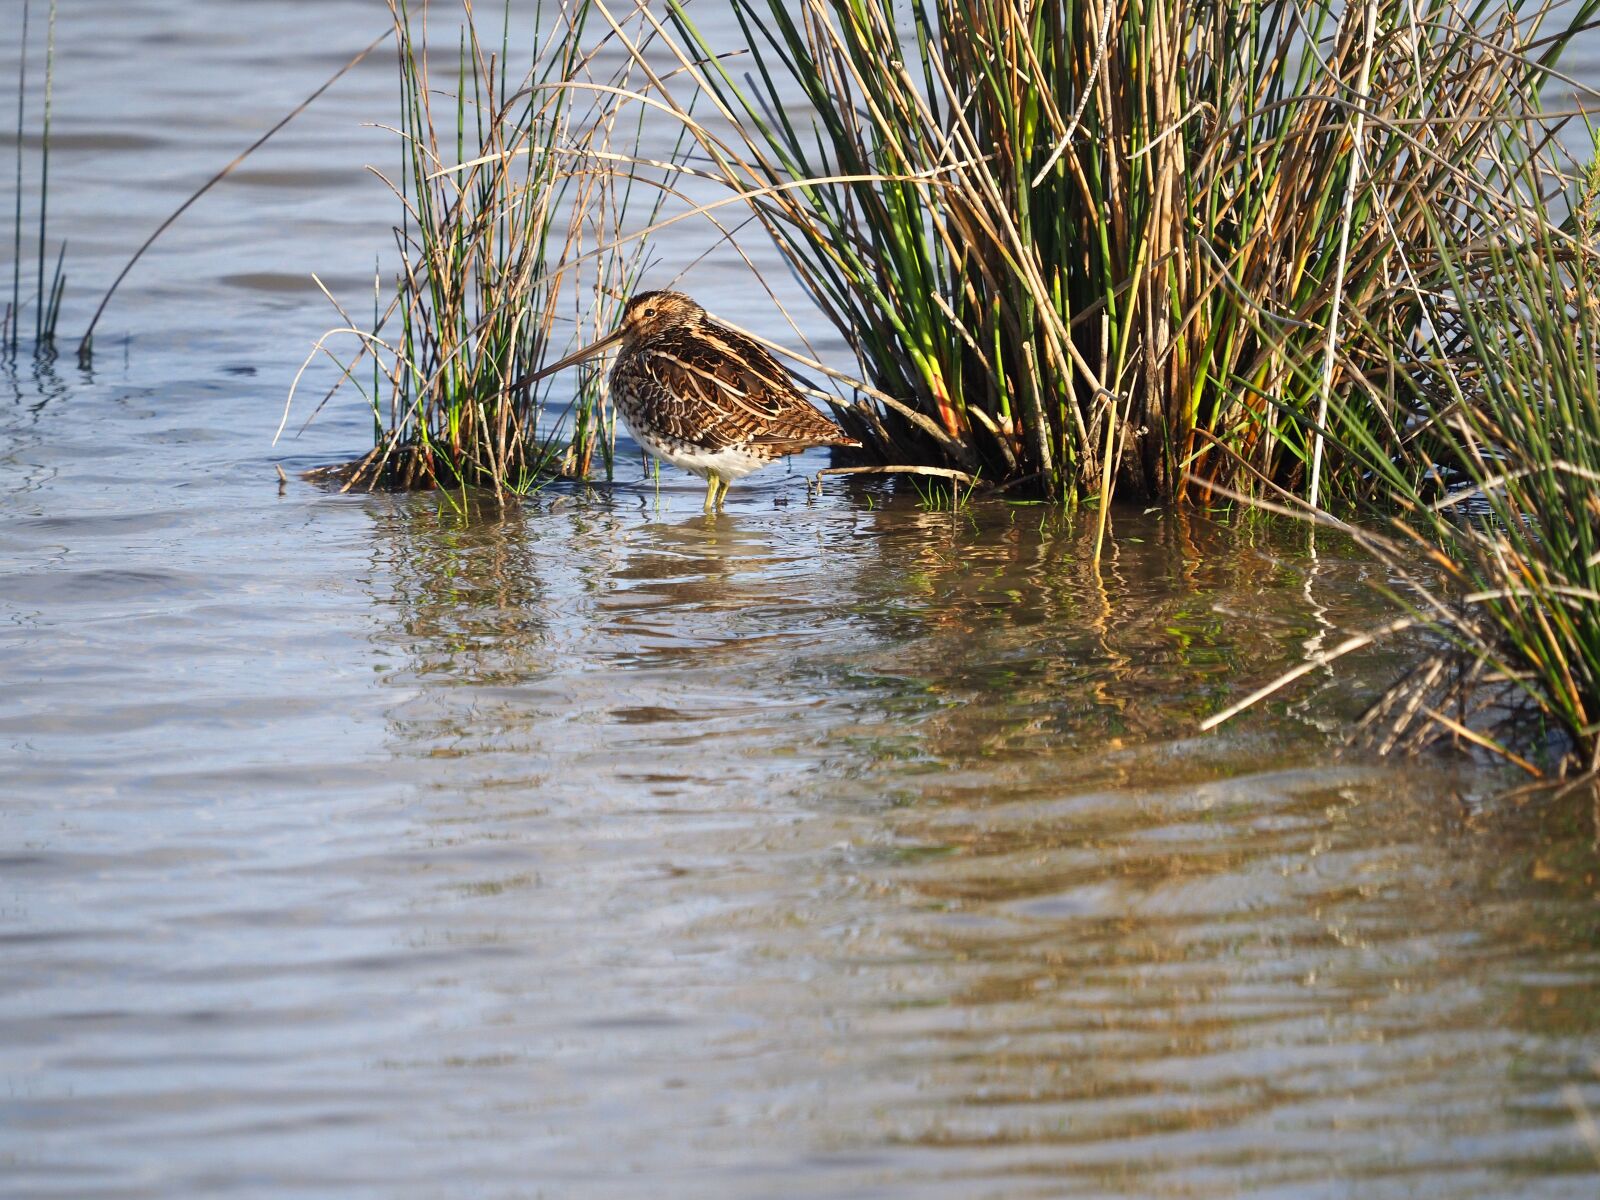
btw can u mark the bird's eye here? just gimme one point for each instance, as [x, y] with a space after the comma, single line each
[649, 312]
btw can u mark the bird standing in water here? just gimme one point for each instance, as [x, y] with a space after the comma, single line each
[704, 397]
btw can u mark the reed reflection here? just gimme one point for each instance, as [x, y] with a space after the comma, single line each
[548, 628]
[901, 811]
[467, 585]
[996, 633]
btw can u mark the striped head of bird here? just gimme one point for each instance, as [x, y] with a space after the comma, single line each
[645, 316]
[650, 314]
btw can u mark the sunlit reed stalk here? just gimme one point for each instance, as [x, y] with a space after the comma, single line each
[1342, 261]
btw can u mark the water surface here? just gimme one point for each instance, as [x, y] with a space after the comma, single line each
[406, 846]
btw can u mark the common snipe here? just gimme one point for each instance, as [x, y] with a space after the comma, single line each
[704, 397]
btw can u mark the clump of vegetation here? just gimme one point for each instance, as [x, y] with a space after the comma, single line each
[1498, 533]
[1485, 490]
[1319, 251]
[47, 288]
[1187, 250]
[1118, 245]
[506, 218]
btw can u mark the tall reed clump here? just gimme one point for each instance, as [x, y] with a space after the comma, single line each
[506, 219]
[47, 289]
[1124, 245]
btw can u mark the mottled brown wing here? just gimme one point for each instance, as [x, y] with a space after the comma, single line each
[717, 388]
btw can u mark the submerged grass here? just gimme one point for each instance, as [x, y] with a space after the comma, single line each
[506, 218]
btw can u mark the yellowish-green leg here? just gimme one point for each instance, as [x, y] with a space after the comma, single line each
[723, 494]
[712, 483]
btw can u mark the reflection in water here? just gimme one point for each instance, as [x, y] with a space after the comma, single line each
[467, 587]
[873, 847]
[1252, 982]
[28, 387]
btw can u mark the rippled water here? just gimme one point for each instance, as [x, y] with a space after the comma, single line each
[376, 846]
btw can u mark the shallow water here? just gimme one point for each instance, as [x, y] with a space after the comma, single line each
[373, 846]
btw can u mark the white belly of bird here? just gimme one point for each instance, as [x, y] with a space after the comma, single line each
[727, 464]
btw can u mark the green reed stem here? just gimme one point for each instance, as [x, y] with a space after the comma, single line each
[44, 333]
[15, 316]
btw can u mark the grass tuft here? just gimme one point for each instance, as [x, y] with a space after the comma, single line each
[1486, 515]
[510, 212]
[1497, 537]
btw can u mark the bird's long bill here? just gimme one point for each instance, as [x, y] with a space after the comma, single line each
[577, 356]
